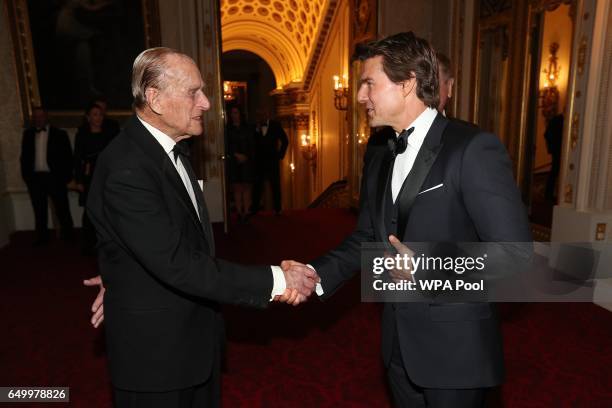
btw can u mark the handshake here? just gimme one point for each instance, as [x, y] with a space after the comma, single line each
[301, 281]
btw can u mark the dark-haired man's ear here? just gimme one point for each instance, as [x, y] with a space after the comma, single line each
[408, 86]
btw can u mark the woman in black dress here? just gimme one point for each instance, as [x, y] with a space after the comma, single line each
[91, 138]
[240, 139]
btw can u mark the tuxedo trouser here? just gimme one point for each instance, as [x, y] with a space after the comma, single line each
[258, 189]
[206, 395]
[407, 394]
[44, 185]
[88, 231]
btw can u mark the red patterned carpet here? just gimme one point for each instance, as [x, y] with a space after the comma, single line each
[317, 355]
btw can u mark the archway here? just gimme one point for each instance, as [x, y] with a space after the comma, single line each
[256, 73]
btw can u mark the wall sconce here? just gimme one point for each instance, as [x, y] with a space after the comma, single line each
[309, 150]
[341, 92]
[549, 96]
[228, 92]
[361, 139]
[309, 153]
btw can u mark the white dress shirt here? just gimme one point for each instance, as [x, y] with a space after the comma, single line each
[41, 140]
[404, 161]
[167, 143]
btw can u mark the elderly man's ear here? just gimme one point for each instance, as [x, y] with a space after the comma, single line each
[153, 100]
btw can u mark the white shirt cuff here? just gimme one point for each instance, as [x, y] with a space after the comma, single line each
[280, 284]
[318, 287]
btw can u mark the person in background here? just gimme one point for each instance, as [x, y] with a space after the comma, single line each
[271, 145]
[554, 141]
[90, 140]
[446, 79]
[109, 125]
[240, 140]
[46, 168]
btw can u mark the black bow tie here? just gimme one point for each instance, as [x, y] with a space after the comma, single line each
[399, 144]
[180, 148]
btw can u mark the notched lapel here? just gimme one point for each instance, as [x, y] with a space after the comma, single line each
[177, 183]
[136, 131]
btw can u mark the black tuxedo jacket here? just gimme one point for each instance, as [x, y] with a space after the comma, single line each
[443, 345]
[157, 263]
[59, 154]
[271, 147]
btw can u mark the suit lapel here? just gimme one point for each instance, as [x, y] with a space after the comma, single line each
[422, 165]
[177, 183]
[204, 219]
[139, 134]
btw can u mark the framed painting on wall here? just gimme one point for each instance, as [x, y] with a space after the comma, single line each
[71, 52]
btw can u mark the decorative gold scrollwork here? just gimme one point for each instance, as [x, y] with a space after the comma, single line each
[568, 194]
[574, 130]
[582, 50]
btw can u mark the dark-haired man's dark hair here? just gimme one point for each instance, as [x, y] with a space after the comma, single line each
[92, 106]
[406, 56]
[100, 98]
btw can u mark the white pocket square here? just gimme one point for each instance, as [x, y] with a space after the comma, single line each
[431, 188]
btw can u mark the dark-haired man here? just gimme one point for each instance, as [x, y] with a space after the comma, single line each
[271, 145]
[46, 168]
[441, 181]
[446, 81]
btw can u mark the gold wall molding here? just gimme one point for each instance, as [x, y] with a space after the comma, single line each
[575, 172]
[568, 195]
[582, 54]
[575, 127]
[24, 56]
[322, 38]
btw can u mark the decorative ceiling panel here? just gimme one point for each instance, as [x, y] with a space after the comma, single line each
[282, 32]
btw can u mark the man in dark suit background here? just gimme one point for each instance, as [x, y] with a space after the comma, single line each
[554, 141]
[46, 168]
[270, 147]
[441, 181]
[156, 248]
[446, 81]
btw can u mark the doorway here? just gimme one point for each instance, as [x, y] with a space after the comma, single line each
[247, 83]
[550, 44]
